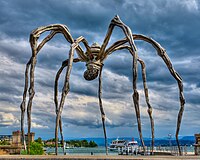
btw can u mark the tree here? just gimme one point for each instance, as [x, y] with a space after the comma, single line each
[35, 149]
[39, 140]
[92, 144]
[84, 143]
[77, 145]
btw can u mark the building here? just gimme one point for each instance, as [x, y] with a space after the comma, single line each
[197, 144]
[32, 137]
[6, 138]
[15, 138]
[13, 142]
[50, 143]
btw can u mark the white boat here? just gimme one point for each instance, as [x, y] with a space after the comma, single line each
[116, 144]
[123, 145]
[132, 146]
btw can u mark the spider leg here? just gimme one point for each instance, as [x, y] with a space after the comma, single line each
[162, 53]
[145, 92]
[117, 22]
[23, 104]
[56, 28]
[64, 64]
[35, 34]
[178, 78]
[128, 33]
[31, 89]
[65, 89]
[147, 101]
[102, 110]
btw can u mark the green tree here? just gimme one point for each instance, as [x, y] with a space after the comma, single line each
[81, 143]
[84, 143]
[35, 149]
[92, 144]
[39, 140]
[77, 145]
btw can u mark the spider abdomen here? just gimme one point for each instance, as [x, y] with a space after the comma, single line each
[91, 72]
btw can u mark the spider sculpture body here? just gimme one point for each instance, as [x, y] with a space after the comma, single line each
[94, 57]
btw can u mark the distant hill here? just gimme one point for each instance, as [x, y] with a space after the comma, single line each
[192, 138]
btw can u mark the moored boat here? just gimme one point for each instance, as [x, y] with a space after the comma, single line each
[131, 146]
[123, 145]
[116, 144]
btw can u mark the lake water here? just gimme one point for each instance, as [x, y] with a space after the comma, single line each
[81, 151]
[102, 151]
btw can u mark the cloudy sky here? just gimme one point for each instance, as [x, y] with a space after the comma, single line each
[173, 23]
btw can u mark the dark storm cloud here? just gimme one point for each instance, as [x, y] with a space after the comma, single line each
[193, 98]
[120, 62]
[190, 70]
[89, 90]
[26, 16]
[4, 125]
[95, 123]
[165, 24]
[10, 90]
[14, 51]
[12, 84]
[83, 122]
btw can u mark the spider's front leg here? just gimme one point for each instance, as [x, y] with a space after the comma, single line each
[147, 101]
[35, 35]
[64, 64]
[146, 92]
[23, 104]
[103, 117]
[31, 89]
[117, 22]
[65, 89]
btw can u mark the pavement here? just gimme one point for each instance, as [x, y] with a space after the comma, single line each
[95, 157]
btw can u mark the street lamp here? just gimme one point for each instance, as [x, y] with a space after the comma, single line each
[170, 142]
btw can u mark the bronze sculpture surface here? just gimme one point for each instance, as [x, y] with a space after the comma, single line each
[94, 57]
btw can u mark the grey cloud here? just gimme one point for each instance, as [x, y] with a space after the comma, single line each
[3, 125]
[192, 98]
[82, 87]
[83, 122]
[96, 123]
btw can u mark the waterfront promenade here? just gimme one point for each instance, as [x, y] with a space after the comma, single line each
[78, 157]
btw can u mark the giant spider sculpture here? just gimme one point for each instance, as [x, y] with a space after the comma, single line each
[94, 58]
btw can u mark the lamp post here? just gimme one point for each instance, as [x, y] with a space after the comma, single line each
[170, 143]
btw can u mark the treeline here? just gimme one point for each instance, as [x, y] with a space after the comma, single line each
[81, 143]
[69, 143]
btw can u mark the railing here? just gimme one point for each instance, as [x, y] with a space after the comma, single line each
[186, 150]
[159, 150]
